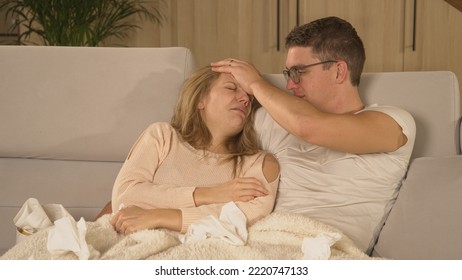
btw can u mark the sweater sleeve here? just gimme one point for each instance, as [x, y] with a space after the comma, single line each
[254, 210]
[134, 183]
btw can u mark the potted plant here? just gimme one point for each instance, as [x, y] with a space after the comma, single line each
[79, 22]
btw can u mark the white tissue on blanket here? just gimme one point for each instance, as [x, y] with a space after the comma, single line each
[31, 217]
[34, 216]
[68, 236]
[318, 248]
[230, 227]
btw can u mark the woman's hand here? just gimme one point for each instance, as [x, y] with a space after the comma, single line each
[107, 209]
[134, 218]
[239, 189]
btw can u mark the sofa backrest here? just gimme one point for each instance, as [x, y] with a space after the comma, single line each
[78, 103]
[432, 97]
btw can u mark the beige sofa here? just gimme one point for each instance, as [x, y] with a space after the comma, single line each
[69, 115]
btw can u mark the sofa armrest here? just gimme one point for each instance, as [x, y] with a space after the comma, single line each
[425, 222]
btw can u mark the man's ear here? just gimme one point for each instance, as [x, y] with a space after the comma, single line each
[342, 71]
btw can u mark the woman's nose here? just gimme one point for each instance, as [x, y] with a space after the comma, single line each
[243, 96]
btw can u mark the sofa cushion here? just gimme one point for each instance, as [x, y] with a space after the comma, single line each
[425, 222]
[82, 187]
[80, 103]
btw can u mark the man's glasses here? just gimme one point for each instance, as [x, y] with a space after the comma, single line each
[295, 72]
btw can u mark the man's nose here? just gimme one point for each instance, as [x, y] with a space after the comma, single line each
[290, 85]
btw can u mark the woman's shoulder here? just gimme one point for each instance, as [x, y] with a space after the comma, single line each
[270, 167]
[160, 132]
[264, 161]
[160, 128]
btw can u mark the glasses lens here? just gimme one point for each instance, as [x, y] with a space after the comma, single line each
[295, 75]
[292, 74]
[286, 74]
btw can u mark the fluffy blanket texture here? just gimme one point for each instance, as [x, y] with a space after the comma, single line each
[278, 236]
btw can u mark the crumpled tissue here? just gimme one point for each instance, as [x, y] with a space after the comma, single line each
[318, 248]
[68, 236]
[231, 227]
[33, 217]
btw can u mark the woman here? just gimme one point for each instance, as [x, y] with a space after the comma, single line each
[178, 173]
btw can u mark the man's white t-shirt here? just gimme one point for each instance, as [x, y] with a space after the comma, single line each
[351, 192]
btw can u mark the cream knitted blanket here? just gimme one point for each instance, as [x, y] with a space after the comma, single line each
[276, 237]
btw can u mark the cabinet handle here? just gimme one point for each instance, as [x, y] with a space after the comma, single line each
[297, 20]
[278, 23]
[458, 134]
[414, 26]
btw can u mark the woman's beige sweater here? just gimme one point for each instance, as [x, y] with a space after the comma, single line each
[161, 171]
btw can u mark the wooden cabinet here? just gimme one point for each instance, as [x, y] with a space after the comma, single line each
[438, 38]
[255, 30]
[395, 38]
[379, 23]
[217, 29]
[400, 35]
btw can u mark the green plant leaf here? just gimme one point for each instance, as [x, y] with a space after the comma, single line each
[79, 22]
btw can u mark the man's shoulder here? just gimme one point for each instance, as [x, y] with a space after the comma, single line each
[387, 109]
[401, 116]
[404, 119]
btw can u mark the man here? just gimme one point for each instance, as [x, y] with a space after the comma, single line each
[341, 162]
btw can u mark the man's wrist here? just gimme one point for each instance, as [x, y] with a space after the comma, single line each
[256, 87]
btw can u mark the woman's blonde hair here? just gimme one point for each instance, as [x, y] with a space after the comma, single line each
[188, 122]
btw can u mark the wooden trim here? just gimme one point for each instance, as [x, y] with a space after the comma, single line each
[9, 34]
[456, 4]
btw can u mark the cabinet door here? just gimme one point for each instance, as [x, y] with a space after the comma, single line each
[255, 30]
[217, 29]
[438, 38]
[379, 23]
